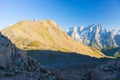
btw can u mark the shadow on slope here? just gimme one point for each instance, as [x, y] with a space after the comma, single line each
[110, 52]
[72, 66]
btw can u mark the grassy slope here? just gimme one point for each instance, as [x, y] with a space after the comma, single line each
[45, 35]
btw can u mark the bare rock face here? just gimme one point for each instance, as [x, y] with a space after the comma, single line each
[15, 64]
[108, 71]
[96, 36]
[5, 51]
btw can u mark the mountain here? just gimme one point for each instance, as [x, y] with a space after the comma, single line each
[45, 35]
[16, 65]
[95, 36]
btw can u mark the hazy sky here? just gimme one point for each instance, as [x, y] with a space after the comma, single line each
[66, 13]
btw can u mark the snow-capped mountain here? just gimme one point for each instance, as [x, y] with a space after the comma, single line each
[95, 35]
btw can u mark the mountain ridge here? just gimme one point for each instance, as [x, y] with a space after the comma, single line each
[95, 36]
[45, 35]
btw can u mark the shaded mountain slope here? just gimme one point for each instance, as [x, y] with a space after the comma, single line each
[110, 52]
[71, 66]
[16, 65]
[107, 71]
[45, 35]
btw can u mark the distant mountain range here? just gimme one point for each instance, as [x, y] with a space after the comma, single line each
[96, 36]
[45, 35]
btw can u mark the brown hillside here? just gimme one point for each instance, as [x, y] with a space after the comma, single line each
[45, 35]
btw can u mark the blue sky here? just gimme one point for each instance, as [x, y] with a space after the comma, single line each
[66, 13]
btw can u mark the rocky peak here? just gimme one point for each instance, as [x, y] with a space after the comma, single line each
[96, 27]
[75, 29]
[96, 36]
[81, 28]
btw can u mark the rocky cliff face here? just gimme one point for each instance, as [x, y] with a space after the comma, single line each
[95, 36]
[15, 64]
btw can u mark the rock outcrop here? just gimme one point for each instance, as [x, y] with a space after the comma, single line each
[108, 71]
[16, 65]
